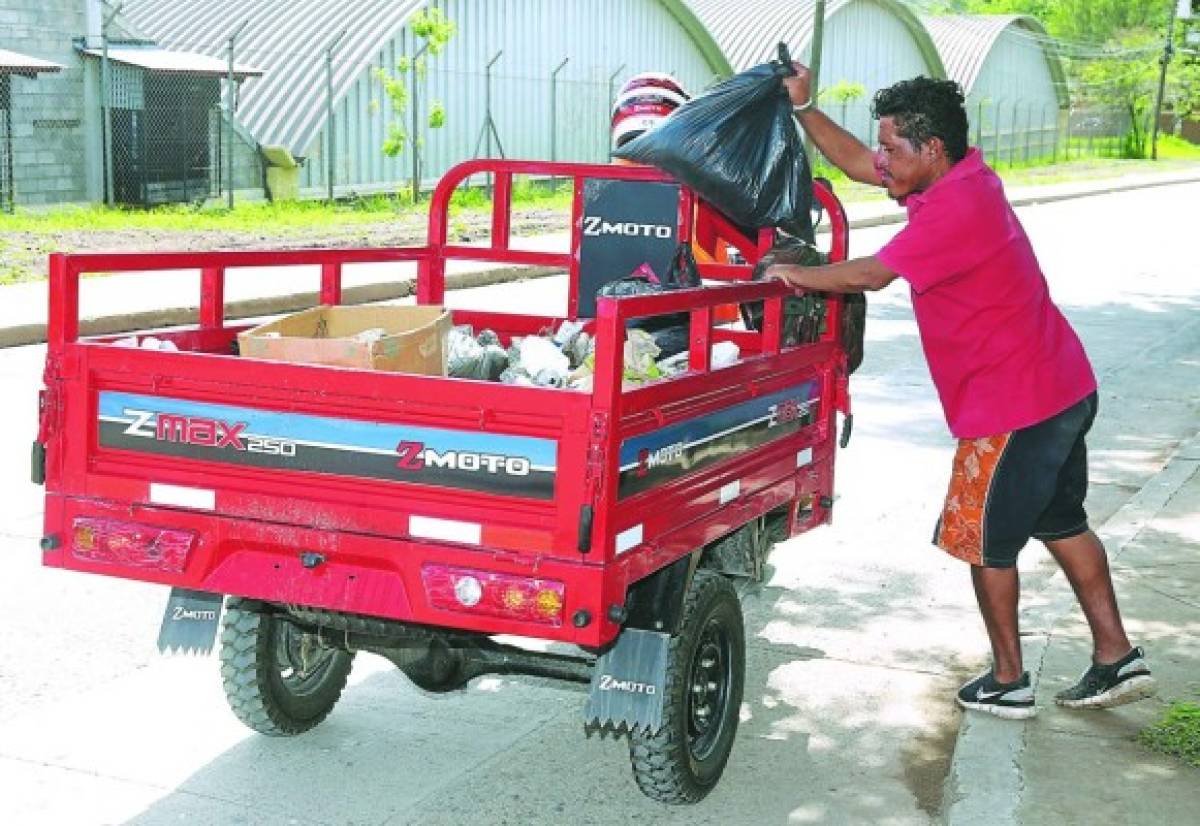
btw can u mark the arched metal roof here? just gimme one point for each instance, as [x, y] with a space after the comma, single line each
[749, 30]
[966, 40]
[287, 39]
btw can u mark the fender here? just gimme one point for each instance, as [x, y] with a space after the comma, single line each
[656, 602]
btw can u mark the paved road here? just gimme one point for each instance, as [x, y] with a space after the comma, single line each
[855, 644]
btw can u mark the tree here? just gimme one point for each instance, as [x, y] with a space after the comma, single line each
[435, 30]
[845, 93]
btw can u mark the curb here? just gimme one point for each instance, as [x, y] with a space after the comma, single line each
[985, 784]
[270, 305]
[267, 305]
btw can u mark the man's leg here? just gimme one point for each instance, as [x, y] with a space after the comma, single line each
[1084, 562]
[998, 592]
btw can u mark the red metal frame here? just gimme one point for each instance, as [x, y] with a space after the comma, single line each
[249, 542]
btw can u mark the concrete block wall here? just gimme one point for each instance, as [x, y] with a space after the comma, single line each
[50, 121]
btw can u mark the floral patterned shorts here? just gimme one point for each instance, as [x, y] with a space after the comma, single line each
[1008, 488]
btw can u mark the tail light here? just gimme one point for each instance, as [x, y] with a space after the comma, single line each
[127, 543]
[495, 595]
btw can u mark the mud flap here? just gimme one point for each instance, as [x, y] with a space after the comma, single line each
[190, 622]
[629, 683]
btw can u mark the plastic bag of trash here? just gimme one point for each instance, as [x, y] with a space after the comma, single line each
[803, 316]
[475, 357]
[682, 274]
[739, 147]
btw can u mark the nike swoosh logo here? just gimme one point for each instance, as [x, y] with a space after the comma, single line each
[987, 695]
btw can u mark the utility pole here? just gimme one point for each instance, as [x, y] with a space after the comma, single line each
[814, 64]
[1165, 60]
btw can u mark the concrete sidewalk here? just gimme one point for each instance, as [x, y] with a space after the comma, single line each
[134, 301]
[1067, 767]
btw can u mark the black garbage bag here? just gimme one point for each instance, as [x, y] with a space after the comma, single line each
[740, 149]
[804, 315]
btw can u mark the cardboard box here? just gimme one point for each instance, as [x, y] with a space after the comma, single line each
[413, 338]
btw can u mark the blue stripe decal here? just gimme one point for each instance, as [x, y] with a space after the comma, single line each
[702, 428]
[343, 433]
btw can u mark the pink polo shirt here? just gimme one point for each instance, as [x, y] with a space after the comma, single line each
[1001, 354]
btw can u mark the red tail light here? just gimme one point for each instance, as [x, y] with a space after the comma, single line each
[126, 543]
[496, 595]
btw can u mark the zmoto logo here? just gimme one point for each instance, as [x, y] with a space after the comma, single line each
[416, 456]
[595, 225]
[610, 683]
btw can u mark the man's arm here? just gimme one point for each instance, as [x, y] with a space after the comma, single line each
[853, 276]
[843, 150]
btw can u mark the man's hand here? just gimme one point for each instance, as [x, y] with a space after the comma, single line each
[779, 272]
[799, 85]
[853, 276]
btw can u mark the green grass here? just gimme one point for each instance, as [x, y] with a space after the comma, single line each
[1177, 733]
[276, 217]
[1171, 148]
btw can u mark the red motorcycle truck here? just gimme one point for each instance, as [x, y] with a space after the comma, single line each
[308, 512]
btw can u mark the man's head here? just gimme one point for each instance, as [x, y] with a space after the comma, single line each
[922, 132]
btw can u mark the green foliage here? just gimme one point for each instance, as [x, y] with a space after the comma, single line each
[437, 116]
[432, 27]
[1176, 732]
[845, 92]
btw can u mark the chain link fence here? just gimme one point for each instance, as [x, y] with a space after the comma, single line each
[6, 155]
[1018, 132]
[162, 134]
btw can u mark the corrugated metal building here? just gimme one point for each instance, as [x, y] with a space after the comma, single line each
[523, 78]
[309, 69]
[869, 42]
[1013, 79]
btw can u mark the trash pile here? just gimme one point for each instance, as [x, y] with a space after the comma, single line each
[147, 343]
[566, 358]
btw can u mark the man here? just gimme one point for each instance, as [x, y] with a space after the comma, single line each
[1015, 384]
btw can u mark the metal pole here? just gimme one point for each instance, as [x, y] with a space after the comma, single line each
[608, 107]
[1165, 60]
[814, 68]
[331, 166]
[1028, 131]
[979, 126]
[416, 147]
[229, 93]
[1067, 148]
[554, 108]
[106, 107]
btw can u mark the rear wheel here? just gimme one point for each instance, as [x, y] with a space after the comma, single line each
[279, 679]
[706, 664]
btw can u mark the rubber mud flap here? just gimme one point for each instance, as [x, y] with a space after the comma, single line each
[190, 622]
[629, 683]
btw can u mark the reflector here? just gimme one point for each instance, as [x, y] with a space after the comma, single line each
[127, 543]
[499, 595]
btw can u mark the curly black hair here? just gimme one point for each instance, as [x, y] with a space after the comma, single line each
[925, 108]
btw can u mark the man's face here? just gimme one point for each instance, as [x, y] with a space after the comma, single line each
[905, 169]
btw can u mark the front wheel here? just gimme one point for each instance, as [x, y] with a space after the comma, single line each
[706, 664]
[279, 679]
